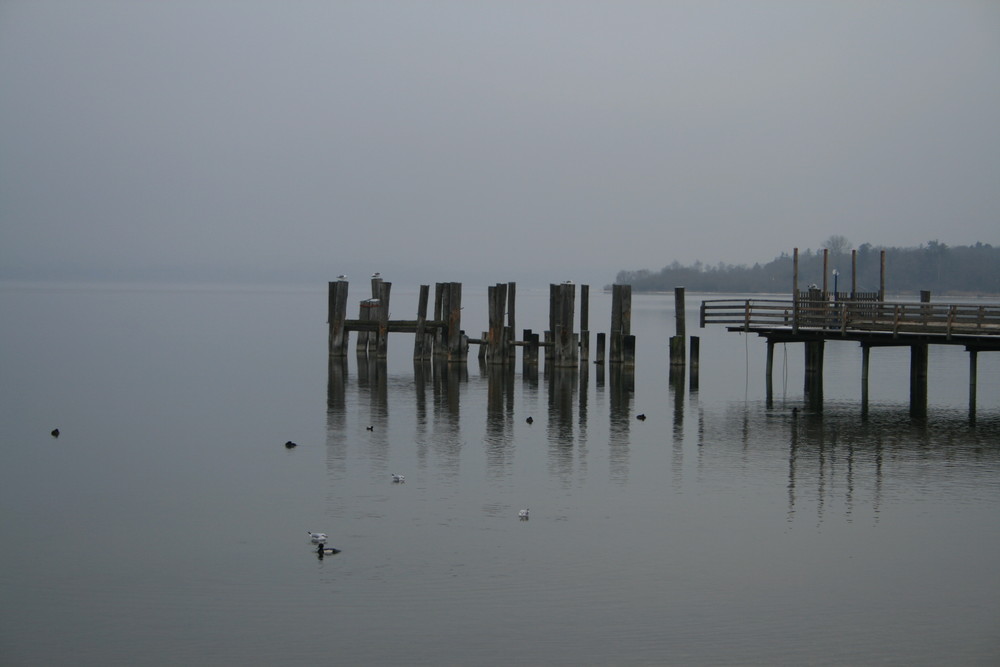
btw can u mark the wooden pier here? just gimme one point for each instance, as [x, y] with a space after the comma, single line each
[816, 315]
[814, 318]
[440, 337]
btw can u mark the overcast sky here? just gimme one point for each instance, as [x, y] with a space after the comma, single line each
[532, 141]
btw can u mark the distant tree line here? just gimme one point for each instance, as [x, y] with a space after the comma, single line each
[933, 266]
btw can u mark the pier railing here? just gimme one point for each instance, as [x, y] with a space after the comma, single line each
[855, 316]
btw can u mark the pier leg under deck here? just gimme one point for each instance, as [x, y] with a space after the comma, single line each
[973, 373]
[768, 372]
[814, 373]
[918, 380]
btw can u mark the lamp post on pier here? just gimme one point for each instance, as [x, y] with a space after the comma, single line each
[836, 274]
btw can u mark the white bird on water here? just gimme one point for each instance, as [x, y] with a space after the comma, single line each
[523, 514]
[317, 538]
[398, 479]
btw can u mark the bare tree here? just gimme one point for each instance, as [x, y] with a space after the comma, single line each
[837, 244]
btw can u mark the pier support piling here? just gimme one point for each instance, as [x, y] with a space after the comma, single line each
[336, 318]
[621, 324]
[918, 380]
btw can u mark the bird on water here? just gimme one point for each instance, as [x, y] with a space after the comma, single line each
[397, 478]
[290, 445]
[641, 417]
[529, 420]
[324, 550]
[523, 515]
[317, 538]
[55, 433]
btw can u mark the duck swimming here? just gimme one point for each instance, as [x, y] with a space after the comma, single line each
[55, 433]
[323, 550]
[317, 538]
[290, 445]
[398, 479]
[523, 515]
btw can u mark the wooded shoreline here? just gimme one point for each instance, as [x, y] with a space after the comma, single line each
[953, 271]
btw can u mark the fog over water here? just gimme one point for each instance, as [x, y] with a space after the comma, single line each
[252, 141]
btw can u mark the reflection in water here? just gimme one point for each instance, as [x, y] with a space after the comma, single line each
[677, 399]
[562, 384]
[336, 414]
[499, 414]
[837, 462]
[622, 381]
[830, 461]
[581, 436]
[373, 390]
[446, 436]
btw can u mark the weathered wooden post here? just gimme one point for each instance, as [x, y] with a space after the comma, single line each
[814, 371]
[695, 360]
[621, 322]
[600, 349]
[973, 372]
[531, 344]
[441, 309]
[918, 380]
[615, 335]
[457, 347]
[529, 355]
[584, 323]
[365, 315]
[422, 343]
[550, 349]
[768, 383]
[866, 355]
[336, 316]
[677, 352]
[382, 317]
[511, 325]
[484, 344]
[499, 337]
[628, 351]
[566, 342]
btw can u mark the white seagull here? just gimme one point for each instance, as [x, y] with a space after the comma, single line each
[523, 515]
[317, 538]
[398, 479]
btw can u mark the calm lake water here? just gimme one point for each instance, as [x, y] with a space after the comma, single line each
[167, 524]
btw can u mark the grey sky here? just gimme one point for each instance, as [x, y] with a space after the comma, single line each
[490, 141]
